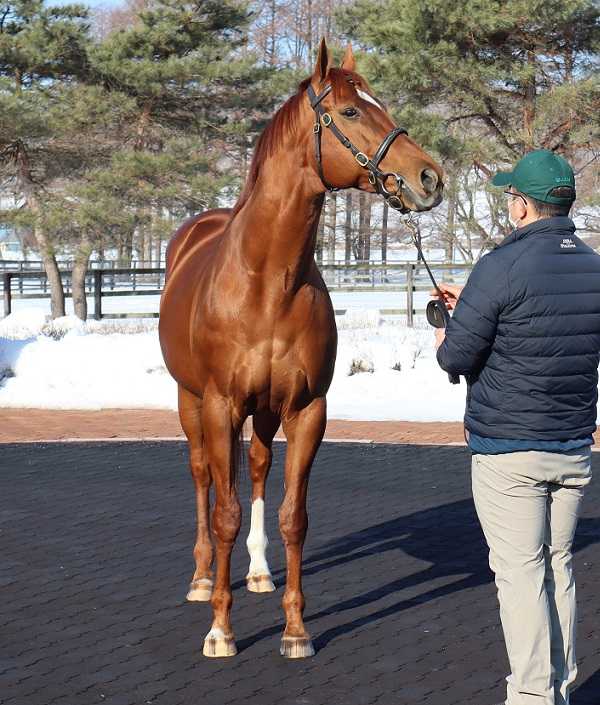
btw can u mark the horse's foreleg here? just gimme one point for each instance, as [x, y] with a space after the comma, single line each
[265, 426]
[220, 438]
[190, 410]
[304, 432]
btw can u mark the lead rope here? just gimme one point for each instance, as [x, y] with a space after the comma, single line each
[413, 228]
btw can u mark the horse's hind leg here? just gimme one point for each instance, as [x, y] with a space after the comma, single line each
[190, 410]
[304, 431]
[265, 426]
[221, 446]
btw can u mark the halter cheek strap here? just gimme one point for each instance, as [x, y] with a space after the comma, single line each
[377, 177]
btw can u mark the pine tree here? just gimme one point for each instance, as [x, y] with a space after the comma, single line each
[181, 63]
[522, 69]
[39, 47]
[482, 82]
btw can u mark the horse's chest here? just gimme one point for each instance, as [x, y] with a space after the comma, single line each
[268, 355]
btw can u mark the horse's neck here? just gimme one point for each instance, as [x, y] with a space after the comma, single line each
[276, 228]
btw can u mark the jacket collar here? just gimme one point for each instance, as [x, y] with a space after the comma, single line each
[558, 224]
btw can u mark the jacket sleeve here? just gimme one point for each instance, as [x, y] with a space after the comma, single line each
[472, 328]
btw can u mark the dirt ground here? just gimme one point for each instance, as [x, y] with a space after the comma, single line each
[22, 425]
[27, 425]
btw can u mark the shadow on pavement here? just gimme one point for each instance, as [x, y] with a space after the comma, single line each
[588, 693]
[447, 537]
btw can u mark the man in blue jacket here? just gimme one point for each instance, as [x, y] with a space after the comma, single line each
[526, 335]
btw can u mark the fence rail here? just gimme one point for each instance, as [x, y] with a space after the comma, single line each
[407, 277]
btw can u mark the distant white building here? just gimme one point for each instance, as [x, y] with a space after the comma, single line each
[10, 242]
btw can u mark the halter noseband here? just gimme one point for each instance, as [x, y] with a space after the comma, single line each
[377, 177]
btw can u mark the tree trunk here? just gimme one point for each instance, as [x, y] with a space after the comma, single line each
[80, 265]
[158, 251]
[141, 243]
[451, 230]
[57, 292]
[367, 227]
[530, 98]
[332, 228]
[320, 237]
[127, 250]
[310, 31]
[348, 228]
[364, 228]
[272, 35]
[384, 232]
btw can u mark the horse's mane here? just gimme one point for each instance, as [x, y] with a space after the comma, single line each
[285, 121]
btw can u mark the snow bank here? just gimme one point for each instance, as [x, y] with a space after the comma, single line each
[384, 370]
[68, 364]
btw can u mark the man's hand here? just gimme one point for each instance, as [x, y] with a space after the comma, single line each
[450, 294]
[440, 334]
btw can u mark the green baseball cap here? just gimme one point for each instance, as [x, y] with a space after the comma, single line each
[536, 174]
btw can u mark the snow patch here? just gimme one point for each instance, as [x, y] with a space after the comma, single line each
[68, 364]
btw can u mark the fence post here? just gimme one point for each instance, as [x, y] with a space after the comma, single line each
[7, 294]
[97, 294]
[409, 294]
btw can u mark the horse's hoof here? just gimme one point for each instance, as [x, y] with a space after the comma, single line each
[200, 590]
[296, 647]
[217, 645]
[259, 583]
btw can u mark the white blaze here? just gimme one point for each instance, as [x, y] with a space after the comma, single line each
[257, 541]
[367, 97]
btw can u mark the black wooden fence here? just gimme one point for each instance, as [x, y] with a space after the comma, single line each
[408, 277]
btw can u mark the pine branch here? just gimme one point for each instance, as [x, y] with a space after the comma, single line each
[590, 161]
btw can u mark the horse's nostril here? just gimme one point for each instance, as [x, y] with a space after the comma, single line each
[429, 179]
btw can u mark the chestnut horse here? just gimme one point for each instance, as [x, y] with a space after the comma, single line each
[247, 326]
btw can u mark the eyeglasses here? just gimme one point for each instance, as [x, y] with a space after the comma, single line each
[514, 195]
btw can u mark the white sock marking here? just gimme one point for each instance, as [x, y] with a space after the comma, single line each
[257, 541]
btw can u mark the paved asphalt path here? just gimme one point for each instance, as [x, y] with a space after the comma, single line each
[96, 554]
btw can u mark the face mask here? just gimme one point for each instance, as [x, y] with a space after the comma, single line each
[514, 223]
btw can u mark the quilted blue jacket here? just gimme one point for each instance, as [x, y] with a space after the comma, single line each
[526, 333]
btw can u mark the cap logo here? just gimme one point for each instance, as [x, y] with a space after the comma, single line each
[567, 243]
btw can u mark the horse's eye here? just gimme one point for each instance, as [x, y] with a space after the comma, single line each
[350, 112]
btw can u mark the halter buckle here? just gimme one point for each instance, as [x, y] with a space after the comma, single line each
[362, 158]
[316, 127]
[326, 119]
[372, 178]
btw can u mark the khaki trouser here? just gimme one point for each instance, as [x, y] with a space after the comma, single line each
[528, 504]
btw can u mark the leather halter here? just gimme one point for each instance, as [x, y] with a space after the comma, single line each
[377, 177]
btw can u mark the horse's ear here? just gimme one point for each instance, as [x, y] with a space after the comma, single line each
[348, 62]
[323, 62]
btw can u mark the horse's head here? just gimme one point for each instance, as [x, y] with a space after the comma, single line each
[359, 144]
